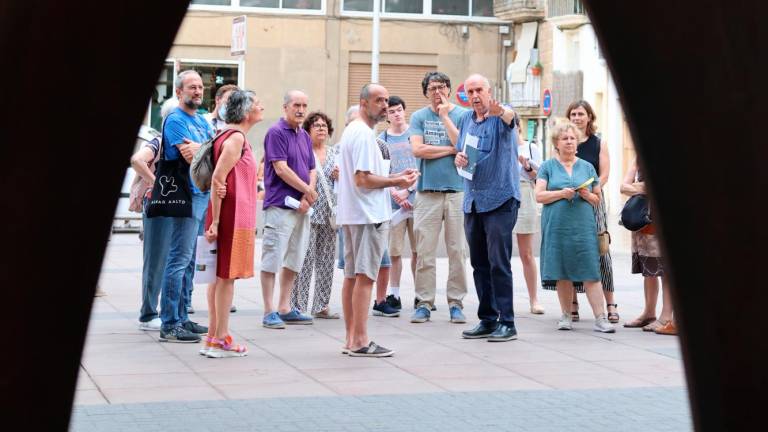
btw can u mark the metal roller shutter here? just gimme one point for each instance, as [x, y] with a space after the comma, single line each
[400, 80]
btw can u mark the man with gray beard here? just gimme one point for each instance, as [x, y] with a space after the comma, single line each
[183, 132]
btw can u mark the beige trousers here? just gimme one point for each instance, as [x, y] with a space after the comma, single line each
[431, 209]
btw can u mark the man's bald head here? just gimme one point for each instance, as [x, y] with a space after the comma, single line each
[478, 90]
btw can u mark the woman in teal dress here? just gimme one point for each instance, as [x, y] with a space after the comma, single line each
[569, 188]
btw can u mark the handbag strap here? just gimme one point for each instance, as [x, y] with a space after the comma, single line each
[221, 136]
[323, 180]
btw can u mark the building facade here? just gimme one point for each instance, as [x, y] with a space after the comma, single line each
[324, 48]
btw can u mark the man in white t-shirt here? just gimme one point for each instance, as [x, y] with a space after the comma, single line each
[363, 212]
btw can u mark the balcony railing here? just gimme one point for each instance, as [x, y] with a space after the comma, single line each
[556, 8]
[527, 94]
[519, 10]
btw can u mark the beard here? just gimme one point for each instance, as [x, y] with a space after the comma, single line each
[191, 104]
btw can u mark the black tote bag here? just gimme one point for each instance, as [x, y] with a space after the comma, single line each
[171, 194]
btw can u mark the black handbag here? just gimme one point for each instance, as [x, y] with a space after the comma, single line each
[171, 194]
[636, 215]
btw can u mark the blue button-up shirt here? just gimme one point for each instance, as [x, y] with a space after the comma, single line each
[496, 178]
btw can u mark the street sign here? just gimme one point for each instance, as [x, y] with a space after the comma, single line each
[238, 36]
[546, 103]
[461, 96]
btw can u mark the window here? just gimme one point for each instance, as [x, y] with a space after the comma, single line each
[358, 5]
[213, 2]
[261, 3]
[425, 8]
[483, 8]
[403, 6]
[271, 4]
[214, 74]
[450, 7]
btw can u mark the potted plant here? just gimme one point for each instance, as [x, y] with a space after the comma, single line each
[536, 69]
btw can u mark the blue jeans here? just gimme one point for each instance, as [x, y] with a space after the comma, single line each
[157, 241]
[181, 256]
[489, 236]
[199, 209]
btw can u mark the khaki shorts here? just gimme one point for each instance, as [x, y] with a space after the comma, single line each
[364, 245]
[397, 237]
[285, 241]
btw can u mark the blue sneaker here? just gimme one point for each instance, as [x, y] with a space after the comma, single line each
[296, 317]
[273, 321]
[384, 309]
[420, 315]
[457, 316]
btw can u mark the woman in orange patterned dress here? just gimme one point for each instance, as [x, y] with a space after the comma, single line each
[231, 217]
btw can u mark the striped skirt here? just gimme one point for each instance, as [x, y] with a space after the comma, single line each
[606, 265]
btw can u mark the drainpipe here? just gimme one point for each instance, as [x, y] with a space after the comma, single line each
[375, 42]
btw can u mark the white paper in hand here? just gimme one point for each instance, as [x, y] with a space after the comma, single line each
[295, 204]
[205, 261]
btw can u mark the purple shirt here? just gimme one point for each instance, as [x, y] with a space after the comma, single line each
[284, 143]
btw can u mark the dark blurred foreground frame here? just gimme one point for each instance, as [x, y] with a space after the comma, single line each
[76, 78]
[691, 75]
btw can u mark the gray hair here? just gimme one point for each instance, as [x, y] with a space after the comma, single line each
[352, 111]
[168, 106]
[560, 128]
[182, 75]
[288, 96]
[238, 106]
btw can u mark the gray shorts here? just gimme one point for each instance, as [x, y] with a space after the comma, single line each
[285, 241]
[364, 246]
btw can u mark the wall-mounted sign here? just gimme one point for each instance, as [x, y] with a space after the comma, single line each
[461, 96]
[238, 36]
[546, 102]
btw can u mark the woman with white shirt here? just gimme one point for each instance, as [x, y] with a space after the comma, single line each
[529, 160]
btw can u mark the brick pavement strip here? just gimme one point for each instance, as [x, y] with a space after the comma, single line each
[557, 410]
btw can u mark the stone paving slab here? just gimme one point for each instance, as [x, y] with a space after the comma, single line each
[297, 379]
[627, 410]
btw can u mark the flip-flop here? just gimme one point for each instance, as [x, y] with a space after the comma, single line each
[639, 323]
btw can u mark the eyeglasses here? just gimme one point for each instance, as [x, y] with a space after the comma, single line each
[319, 126]
[435, 88]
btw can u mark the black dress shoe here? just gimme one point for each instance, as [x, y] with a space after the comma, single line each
[503, 333]
[480, 331]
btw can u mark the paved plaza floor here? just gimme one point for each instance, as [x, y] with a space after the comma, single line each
[296, 379]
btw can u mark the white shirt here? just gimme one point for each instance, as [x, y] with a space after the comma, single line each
[531, 152]
[359, 152]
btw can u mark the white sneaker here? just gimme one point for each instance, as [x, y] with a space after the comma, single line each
[565, 323]
[602, 325]
[153, 325]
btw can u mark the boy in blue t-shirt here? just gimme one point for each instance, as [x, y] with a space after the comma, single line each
[401, 157]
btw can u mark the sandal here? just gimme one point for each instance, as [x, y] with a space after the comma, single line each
[637, 323]
[326, 314]
[575, 313]
[613, 317]
[655, 325]
[225, 348]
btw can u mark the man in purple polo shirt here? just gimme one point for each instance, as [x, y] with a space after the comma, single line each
[289, 174]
